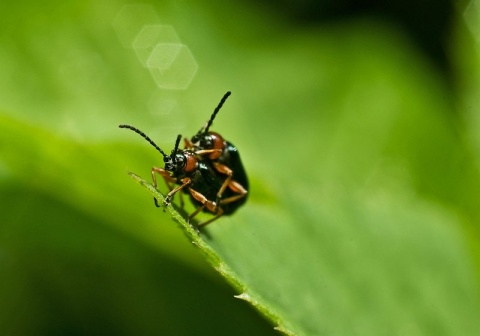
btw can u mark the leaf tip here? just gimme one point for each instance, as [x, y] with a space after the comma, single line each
[244, 296]
[284, 330]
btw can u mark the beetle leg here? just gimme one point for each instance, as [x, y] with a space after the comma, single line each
[197, 210]
[232, 185]
[188, 144]
[185, 182]
[217, 216]
[221, 168]
[210, 205]
[166, 177]
[236, 187]
[208, 151]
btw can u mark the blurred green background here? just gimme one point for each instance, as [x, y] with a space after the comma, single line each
[357, 123]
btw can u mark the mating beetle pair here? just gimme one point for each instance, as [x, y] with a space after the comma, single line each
[209, 169]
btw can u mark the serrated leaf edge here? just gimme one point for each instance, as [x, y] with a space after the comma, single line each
[215, 260]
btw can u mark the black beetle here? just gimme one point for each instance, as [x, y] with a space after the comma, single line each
[186, 169]
[224, 157]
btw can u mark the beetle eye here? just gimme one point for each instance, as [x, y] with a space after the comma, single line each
[207, 142]
[180, 160]
[167, 160]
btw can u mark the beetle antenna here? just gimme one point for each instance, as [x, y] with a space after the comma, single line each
[136, 130]
[177, 143]
[214, 114]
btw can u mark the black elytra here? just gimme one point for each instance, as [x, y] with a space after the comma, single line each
[209, 169]
[225, 159]
[187, 173]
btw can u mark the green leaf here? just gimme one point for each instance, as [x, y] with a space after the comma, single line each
[359, 212]
[363, 212]
[248, 294]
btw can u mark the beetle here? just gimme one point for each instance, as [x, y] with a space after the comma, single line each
[224, 157]
[186, 169]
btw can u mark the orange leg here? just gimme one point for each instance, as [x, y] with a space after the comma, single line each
[185, 182]
[232, 185]
[211, 206]
[166, 177]
[187, 143]
[207, 151]
[221, 168]
[236, 187]
[169, 181]
[217, 216]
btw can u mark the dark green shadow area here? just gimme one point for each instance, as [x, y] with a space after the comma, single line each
[65, 273]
